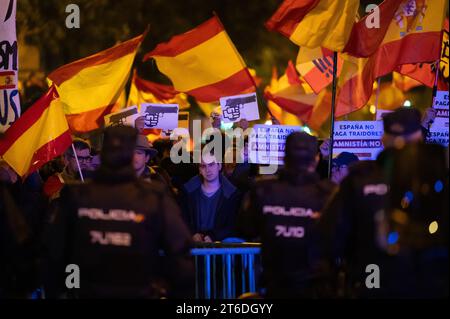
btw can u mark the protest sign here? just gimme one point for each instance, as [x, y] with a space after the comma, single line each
[439, 129]
[163, 116]
[125, 117]
[9, 94]
[235, 108]
[362, 138]
[267, 143]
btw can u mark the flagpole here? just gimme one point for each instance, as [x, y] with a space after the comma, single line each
[377, 96]
[78, 163]
[333, 109]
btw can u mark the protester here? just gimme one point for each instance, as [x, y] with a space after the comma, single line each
[240, 171]
[118, 225]
[210, 202]
[340, 166]
[282, 212]
[71, 171]
[353, 224]
[143, 152]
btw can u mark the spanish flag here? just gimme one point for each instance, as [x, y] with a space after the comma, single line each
[90, 88]
[38, 136]
[203, 63]
[316, 67]
[292, 94]
[425, 73]
[404, 83]
[365, 38]
[143, 91]
[316, 23]
[291, 100]
[413, 36]
[7, 80]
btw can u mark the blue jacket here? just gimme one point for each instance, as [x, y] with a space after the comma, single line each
[229, 202]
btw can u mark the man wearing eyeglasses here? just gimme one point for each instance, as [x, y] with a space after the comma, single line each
[55, 183]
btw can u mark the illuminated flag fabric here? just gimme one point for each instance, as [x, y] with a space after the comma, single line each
[365, 37]
[415, 26]
[38, 136]
[143, 91]
[91, 87]
[203, 63]
[315, 23]
[316, 67]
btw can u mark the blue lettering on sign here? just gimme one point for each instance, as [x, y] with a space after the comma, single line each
[8, 101]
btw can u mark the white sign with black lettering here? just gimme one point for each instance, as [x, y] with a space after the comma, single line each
[439, 129]
[126, 116]
[163, 116]
[235, 108]
[267, 143]
[362, 138]
[9, 66]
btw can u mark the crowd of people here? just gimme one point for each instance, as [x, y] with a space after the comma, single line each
[112, 210]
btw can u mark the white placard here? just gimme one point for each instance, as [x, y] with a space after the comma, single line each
[126, 116]
[267, 143]
[439, 129]
[235, 108]
[362, 138]
[163, 116]
[9, 66]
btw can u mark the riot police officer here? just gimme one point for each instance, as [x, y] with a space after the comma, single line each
[378, 228]
[113, 230]
[282, 213]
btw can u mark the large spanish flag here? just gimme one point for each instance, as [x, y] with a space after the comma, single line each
[203, 62]
[38, 136]
[315, 23]
[413, 36]
[144, 91]
[425, 73]
[90, 88]
[366, 38]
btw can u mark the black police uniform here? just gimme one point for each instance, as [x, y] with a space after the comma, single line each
[114, 227]
[283, 213]
[15, 252]
[358, 230]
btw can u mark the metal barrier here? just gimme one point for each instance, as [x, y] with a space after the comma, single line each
[225, 270]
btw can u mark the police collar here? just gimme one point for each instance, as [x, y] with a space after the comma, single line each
[299, 177]
[121, 175]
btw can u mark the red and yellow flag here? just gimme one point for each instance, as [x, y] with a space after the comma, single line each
[316, 67]
[404, 83]
[413, 28]
[143, 91]
[315, 23]
[290, 99]
[38, 136]
[425, 73]
[203, 62]
[292, 95]
[366, 38]
[90, 88]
